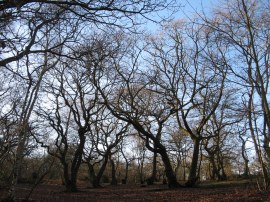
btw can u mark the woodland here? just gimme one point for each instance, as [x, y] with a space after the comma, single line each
[121, 99]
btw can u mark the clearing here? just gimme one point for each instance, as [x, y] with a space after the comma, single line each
[206, 192]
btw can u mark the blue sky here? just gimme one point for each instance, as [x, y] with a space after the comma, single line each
[190, 7]
[197, 4]
[187, 10]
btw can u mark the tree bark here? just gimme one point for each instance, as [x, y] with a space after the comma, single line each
[172, 181]
[114, 180]
[192, 179]
[92, 175]
[153, 176]
[101, 171]
[77, 160]
[244, 156]
[66, 176]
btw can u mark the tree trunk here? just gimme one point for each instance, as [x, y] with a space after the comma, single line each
[124, 181]
[92, 175]
[214, 168]
[76, 163]
[153, 177]
[18, 163]
[176, 170]
[73, 181]
[223, 175]
[256, 139]
[126, 173]
[101, 171]
[172, 181]
[114, 180]
[66, 176]
[192, 179]
[244, 156]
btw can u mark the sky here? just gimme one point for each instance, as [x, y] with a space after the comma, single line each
[190, 7]
[187, 10]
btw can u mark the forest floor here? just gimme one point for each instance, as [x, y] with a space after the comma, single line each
[205, 192]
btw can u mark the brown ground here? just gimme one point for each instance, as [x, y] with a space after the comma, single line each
[229, 191]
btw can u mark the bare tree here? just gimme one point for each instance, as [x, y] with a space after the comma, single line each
[220, 130]
[34, 15]
[192, 75]
[244, 27]
[8, 143]
[129, 96]
[105, 135]
[27, 74]
[70, 115]
[180, 146]
[138, 152]
[25, 24]
[244, 139]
